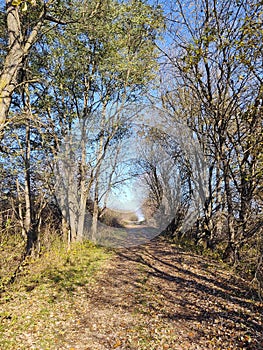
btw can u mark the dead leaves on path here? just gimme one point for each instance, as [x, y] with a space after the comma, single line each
[153, 297]
[201, 305]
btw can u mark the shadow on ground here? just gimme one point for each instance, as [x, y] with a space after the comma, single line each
[207, 306]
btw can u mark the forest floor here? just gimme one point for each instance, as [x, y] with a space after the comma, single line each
[155, 297]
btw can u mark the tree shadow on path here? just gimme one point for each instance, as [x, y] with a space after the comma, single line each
[213, 302]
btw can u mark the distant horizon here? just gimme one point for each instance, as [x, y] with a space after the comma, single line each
[129, 198]
[138, 212]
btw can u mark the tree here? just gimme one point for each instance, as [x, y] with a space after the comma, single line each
[172, 168]
[19, 44]
[24, 23]
[216, 74]
[93, 86]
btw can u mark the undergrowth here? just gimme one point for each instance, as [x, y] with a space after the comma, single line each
[245, 268]
[43, 294]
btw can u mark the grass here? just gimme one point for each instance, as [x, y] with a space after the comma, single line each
[41, 305]
[88, 298]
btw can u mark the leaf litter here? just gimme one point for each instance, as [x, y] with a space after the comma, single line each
[152, 297]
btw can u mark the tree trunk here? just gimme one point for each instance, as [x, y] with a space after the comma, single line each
[13, 61]
[83, 190]
[95, 215]
[18, 50]
[231, 253]
[28, 222]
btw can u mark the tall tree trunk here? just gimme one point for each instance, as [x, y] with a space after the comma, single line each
[231, 251]
[18, 50]
[95, 215]
[28, 222]
[13, 61]
[83, 190]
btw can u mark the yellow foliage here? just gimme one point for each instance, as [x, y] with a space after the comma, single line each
[16, 2]
[24, 7]
[23, 4]
[3, 83]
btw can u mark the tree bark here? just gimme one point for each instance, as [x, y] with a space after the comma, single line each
[18, 50]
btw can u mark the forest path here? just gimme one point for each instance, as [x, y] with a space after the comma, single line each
[154, 296]
[159, 297]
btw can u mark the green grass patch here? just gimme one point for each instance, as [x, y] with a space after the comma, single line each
[43, 301]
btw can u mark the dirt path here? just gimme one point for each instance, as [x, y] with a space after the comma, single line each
[157, 297]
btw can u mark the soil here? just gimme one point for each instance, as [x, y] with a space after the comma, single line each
[157, 296]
